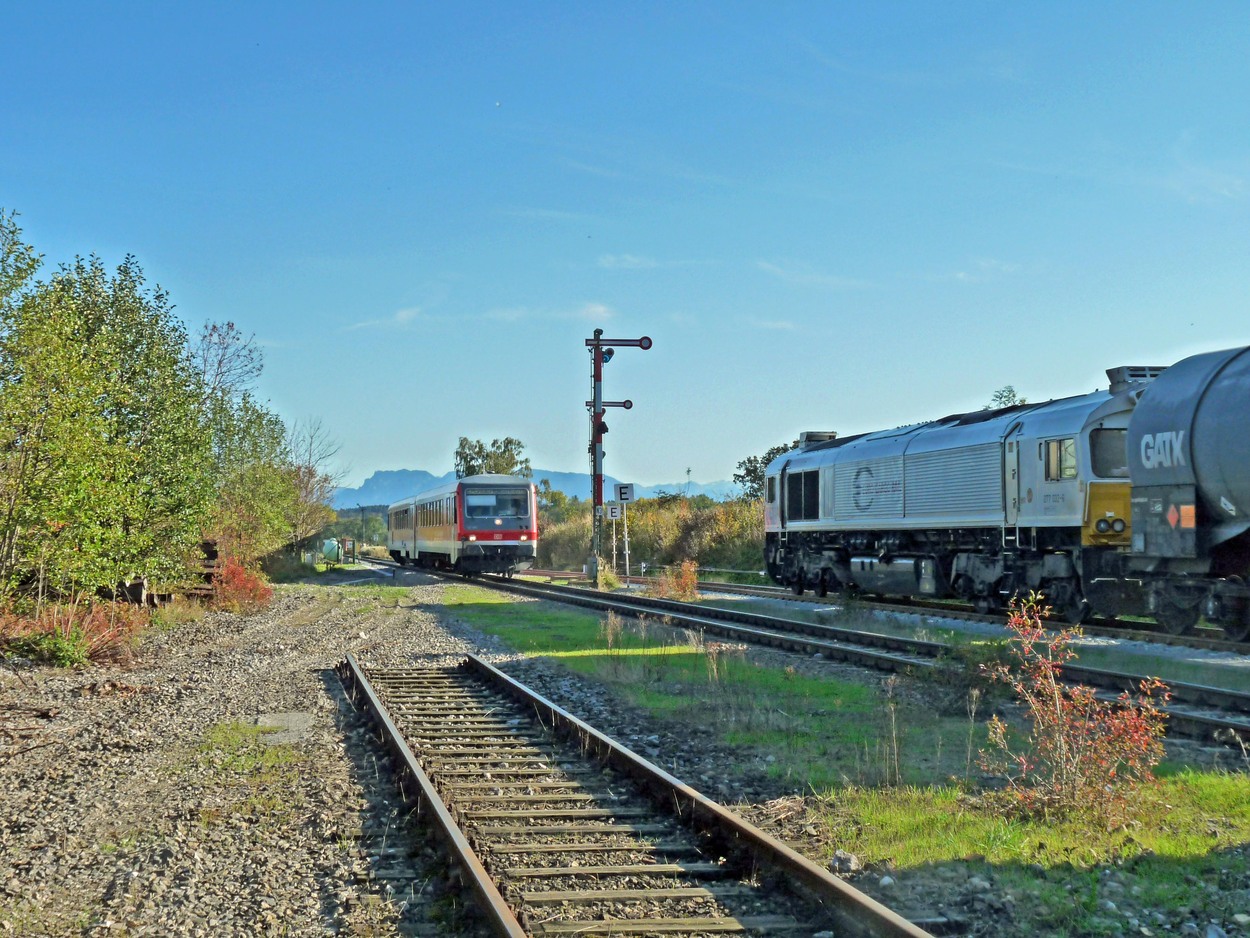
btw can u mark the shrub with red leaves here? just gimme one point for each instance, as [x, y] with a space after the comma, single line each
[237, 588]
[68, 634]
[1079, 754]
[682, 583]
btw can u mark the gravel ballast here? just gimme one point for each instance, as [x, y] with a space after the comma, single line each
[145, 800]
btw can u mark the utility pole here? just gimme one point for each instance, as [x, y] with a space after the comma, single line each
[601, 353]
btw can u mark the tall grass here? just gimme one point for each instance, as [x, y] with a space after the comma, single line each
[724, 534]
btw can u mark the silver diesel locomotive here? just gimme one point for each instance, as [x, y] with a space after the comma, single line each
[1134, 500]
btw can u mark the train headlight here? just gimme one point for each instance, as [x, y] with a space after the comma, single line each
[473, 537]
[525, 537]
[1102, 526]
[1118, 525]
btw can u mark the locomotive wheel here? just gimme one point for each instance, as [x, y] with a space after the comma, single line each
[1076, 610]
[797, 586]
[822, 586]
[1177, 618]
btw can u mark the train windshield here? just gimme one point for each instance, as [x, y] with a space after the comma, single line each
[484, 508]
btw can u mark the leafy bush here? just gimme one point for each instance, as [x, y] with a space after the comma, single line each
[177, 612]
[681, 582]
[238, 589]
[285, 567]
[71, 634]
[1080, 754]
[729, 535]
[608, 580]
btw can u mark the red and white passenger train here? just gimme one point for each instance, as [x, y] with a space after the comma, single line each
[478, 524]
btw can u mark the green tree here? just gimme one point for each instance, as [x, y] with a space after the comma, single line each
[1005, 396]
[750, 474]
[473, 457]
[310, 449]
[251, 469]
[103, 445]
[251, 465]
[554, 507]
[18, 260]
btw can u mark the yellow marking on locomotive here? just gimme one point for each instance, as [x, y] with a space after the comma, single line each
[1108, 518]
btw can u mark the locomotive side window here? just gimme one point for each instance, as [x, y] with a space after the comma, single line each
[772, 489]
[1060, 460]
[1108, 453]
[803, 496]
[794, 496]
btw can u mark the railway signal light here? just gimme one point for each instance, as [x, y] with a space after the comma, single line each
[602, 353]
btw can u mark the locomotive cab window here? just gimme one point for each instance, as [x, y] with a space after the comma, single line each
[772, 489]
[1108, 453]
[1060, 460]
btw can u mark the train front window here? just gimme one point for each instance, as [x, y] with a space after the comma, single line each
[1108, 453]
[486, 509]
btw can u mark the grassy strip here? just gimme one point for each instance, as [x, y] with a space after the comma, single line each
[892, 766]
[818, 731]
[253, 778]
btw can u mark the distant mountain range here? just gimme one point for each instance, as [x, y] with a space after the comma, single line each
[390, 485]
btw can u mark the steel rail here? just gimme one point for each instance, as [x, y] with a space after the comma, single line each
[498, 915]
[857, 913]
[891, 653]
[463, 748]
[953, 610]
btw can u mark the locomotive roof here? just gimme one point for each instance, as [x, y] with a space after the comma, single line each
[1060, 416]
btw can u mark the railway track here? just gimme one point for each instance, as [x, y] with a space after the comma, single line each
[1099, 627]
[1196, 710]
[559, 830]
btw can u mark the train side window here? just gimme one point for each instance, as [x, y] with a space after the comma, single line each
[811, 496]
[1108, 453]
[794, 496]
[803, 496]
[772, 489]
[1060, 460]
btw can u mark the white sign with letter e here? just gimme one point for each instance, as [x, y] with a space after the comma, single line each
[625, 491]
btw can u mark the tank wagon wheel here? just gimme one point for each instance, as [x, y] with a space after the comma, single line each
[1236, 631]
[983, 604]
[798, 585]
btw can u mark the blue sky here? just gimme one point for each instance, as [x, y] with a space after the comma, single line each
[827, 215]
